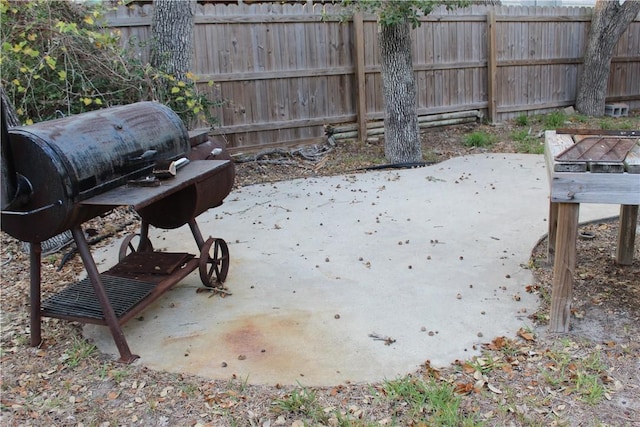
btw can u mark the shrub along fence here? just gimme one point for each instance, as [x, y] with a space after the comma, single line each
[286, 71]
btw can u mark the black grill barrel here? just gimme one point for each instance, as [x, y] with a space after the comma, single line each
[72, 159]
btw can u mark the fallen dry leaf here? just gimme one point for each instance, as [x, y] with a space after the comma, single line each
[524, 334]
[496, 344]
[463, 388]
[494, 388]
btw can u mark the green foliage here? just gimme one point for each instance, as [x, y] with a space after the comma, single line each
[522, 120]
[590, 388]
[611, 123]
[485, 364]
[574, 374]
[57, 59]
[301, 402]
[478, 139]
[397, 12]
[554, 120]
[580, 118]
[527, 143]
[78, 351]
[427, 402]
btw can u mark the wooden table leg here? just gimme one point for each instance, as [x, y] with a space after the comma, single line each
[564, 266]
[627, 234]
[553, 228]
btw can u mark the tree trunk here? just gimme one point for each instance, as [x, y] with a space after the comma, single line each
[610, 19]
[402, 137]
[172, 32]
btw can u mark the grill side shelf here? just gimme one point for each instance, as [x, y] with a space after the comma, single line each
[139, 197]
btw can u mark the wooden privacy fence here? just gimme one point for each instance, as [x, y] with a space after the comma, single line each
[285, 71]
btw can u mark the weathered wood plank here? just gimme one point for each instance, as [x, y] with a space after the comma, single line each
[556, 144]
[553, 232]
[627, 234]
[361, 106]
[564, 267]
[632, 161]
[492, 69]
[619, 188]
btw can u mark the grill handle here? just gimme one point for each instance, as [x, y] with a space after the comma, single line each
[23, 192]
[144, 157]
[33, 211]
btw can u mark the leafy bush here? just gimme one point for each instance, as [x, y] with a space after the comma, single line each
[58, 59]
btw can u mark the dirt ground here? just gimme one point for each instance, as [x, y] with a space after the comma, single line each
[587, 377]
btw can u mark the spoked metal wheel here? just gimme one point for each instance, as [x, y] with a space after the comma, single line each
[134, 243]
[214, 262]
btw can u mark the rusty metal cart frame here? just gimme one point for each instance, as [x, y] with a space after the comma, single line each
[123, 292]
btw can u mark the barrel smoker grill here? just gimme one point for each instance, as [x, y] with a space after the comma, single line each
[65, 172]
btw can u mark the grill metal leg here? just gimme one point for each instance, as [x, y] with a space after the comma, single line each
[144, 237]
[35, 255]
[107, 310]
[195, 230]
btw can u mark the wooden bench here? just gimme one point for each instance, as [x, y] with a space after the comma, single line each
[585, 181]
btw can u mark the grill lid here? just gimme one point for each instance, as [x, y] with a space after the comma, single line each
[72, 159]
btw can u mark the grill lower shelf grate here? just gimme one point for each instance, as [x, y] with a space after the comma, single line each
[80, 300]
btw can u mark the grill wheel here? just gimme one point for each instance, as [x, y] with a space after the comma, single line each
[134, 243]
[214, 262]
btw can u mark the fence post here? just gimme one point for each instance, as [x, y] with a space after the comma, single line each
[361, 98]
[492, 69]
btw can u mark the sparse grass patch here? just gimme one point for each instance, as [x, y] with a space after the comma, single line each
[301, 402]
[21, 340]
[530, 146]
[527, 143]
[611, 123]
[478, 139]
[580, 118]
[118, 375]
[79, 350]
[594, 363]
[485, 364]
[557, 371]
[509, 348]
[188, 389]
[428, 402]
[589, 387]
[522, 120]
[521, 135]
[429, 156]
[574, 374]
[554, 120]
[607, 124]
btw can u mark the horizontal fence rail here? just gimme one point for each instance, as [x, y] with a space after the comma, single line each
[288, 71]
